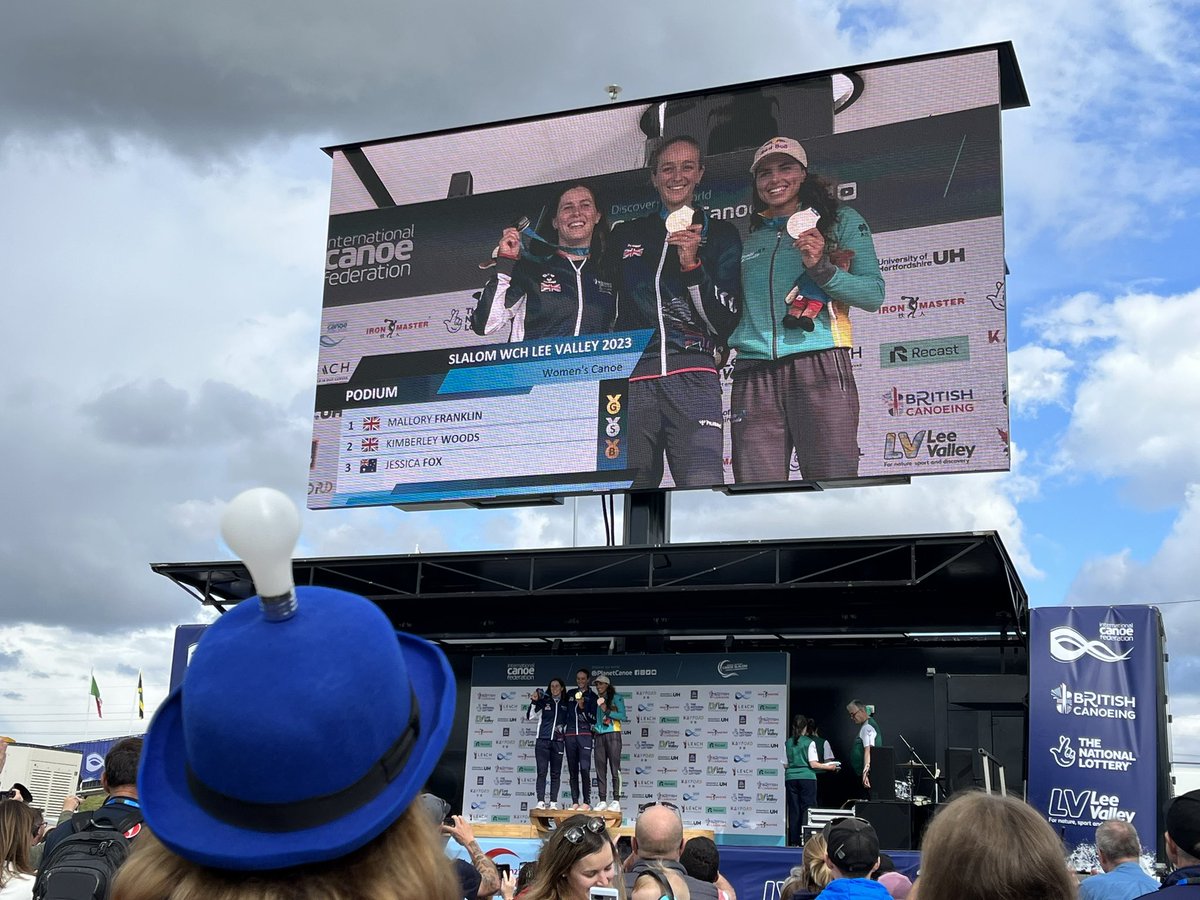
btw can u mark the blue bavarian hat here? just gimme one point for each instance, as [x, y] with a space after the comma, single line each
[304, 726]
[297, 740]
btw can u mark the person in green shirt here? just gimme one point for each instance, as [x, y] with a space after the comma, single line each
[793, 381]
[800, 777]
[869, 736]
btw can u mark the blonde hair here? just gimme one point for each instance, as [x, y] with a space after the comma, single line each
[679, 888]
[985, 847]
[560, 855]
[812, 874]
[406, 862]
[16, 837]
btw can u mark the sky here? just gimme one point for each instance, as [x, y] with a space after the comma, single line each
[164, 212]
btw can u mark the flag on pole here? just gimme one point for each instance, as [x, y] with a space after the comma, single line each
[95, 692]
[141, 699]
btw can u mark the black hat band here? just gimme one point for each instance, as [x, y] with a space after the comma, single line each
[298, 815]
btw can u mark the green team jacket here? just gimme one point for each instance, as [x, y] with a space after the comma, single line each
[797, 760]
[771, 266]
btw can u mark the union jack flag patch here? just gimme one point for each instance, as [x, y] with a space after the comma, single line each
[550, 283]
[632, 250]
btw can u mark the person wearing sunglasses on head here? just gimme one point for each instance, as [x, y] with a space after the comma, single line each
[658, 840]
[579, 856]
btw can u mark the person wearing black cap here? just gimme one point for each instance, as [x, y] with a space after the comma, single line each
[852, 854]
[287, 762]
[1183, 848]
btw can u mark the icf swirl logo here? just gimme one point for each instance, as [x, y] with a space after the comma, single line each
[1068, 645]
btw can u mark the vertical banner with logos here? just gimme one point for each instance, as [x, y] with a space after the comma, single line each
[1096, 704]
[705, 731]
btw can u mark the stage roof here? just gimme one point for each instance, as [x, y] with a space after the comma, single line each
[938, 587]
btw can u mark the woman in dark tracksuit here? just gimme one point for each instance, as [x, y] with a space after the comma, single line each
[560, 294]
[549, 707]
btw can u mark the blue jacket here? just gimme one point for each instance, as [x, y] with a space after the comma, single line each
[1180, 885]
[552, 716]
[853, 888]
[691, 312]
[546, 299]
[580, 721]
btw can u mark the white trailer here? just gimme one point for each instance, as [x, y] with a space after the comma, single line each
[51, 775]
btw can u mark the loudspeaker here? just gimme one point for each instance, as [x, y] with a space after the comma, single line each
[892, 819]
[883, 773]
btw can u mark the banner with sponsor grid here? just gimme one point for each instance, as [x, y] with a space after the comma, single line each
[1094, 702]
[705, 731]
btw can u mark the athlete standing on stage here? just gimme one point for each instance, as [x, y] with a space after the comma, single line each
[610, 714]
[793, 385]
[560, 294]
[550, 709]
[581, 716]
[683, 284]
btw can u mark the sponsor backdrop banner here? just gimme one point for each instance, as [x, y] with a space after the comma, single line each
[1094, 697]
[414, 407]
[705, 731]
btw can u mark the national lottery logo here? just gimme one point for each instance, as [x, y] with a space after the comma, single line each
[1067, 645]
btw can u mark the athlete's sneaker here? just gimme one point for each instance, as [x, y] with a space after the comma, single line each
[541, 804]
[574, 806]
[583, 807]
[553, 804]
[615, 806]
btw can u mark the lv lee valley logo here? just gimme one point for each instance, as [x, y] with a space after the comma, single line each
[933, 444]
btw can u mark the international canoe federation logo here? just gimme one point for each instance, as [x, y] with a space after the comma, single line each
[1068, 645]
[94, 765]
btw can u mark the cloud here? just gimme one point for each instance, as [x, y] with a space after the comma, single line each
[206, 82]
[1136, 407]
[62, 710]
[1037, 376]
[1169, 577]
[10, 659]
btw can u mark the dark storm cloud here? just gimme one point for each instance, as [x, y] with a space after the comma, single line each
[202, 78]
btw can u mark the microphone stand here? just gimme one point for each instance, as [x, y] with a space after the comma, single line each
[933, 774]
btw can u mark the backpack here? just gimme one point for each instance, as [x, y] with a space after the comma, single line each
[82, 865]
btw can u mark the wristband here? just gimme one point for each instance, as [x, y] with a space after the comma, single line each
[692, 268]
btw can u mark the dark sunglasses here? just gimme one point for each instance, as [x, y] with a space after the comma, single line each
[642, 807]
[575, 833]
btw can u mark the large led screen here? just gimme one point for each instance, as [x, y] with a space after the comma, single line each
[793, 282]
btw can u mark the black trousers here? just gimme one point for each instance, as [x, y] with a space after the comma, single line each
[801, 796]
[549, 755]
[680, 416]
[579, 763]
